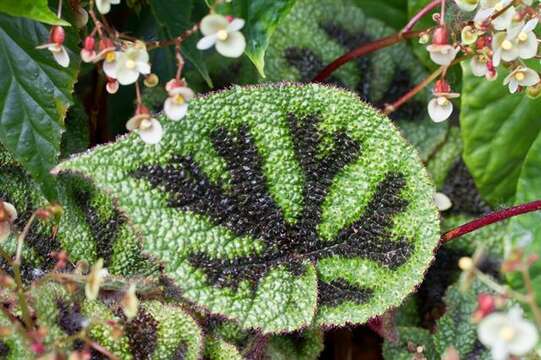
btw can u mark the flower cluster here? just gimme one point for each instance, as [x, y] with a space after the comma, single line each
[125, 60]
[501, 33]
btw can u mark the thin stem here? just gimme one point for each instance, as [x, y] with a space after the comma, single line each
[138, 94]
[169, 42]
[364, 50]
[500, 289]
[389, 108]
[442, 13]
[489, 219]
[21, 237]
[21, 297]
[421, 14]
[531, 294]
[59, 9]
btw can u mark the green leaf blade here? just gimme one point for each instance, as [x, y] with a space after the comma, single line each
[37, 10]
[34, 96]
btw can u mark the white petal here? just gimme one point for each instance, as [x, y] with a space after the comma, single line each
[206, 42]
[87, 55]
[504, 21]
[513, 85]
[442, 54]
[489, 328]
[525, 339]
[497, 57]
[126, 76]
[153, 134]
[530, 25]
[11, 211]
[112, 87]
[466, 5]
[61, 56]
[500, 351]
[233, 46]
[5, 230]
[213, 23]
[235, 25]
[530, 79]
[439, 113]
[110, 68]
[442, 201]
[141, 55]
[173, 110]
[104, 6]
[116, 2]
[477, 67]
[483, 15]
[186, 92]
[511, 54]
[508, 78]
[143, 68]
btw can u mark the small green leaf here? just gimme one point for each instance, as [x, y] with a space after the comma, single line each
[409, 339]
[305, 345]
[35, 93]
[262, 18]
[492, 120]
[278, 205]
[174, 18]
[37, 10]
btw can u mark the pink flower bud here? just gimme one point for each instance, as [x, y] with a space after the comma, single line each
[442, 86]
[486, 303]
[440, 36]
[229, 18]
[89, 43]
[57, 35]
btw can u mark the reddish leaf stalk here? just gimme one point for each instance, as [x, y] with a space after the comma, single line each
[363, 50]
[421, 14]
[489, 219]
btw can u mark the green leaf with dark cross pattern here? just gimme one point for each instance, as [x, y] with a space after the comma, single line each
[90, 227]
[278, 206]
[316, 32]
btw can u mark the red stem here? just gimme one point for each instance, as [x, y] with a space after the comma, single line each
[363, 50]
[490, 219]
[421, 14]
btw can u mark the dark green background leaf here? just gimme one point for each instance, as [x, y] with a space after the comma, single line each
[174, 17]
[35, 93]
[492, 120]
[392, 12]
[262, 17]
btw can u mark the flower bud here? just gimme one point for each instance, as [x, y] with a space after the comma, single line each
[468, 35]
[534, 91]
[89, 43]
[57, 35]
[440, 36]
[152, 80]
[466, 263]
[442, 86]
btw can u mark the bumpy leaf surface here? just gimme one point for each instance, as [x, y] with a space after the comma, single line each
[266, 204]
[318, 31]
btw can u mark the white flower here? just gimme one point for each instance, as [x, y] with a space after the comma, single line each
[467, 5]
[8, 215]
[149, 129]
[217, 30]
[479, 66]
[521, 76]
[442, 201]
[56, 47]
[442, 54]
[492, 7]
[504, 47]
[125, 66]
[88, 52]
[94, 280]
[440, 107]
[507, 334]
[104, 6]
[526, 41]
[176, 105]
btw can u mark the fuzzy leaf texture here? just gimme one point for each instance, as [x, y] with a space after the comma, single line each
[316, 32]
[35, 93]
[278, 205]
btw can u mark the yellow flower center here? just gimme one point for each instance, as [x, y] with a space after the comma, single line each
[222, 35]
[110, 56]
[472, 2]
[522, 36]
[520, 75]
[507, 45]
[507, 333]
[498, 7]
[130, 64]
[179, 99]
[145, 124]
[442, 101]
